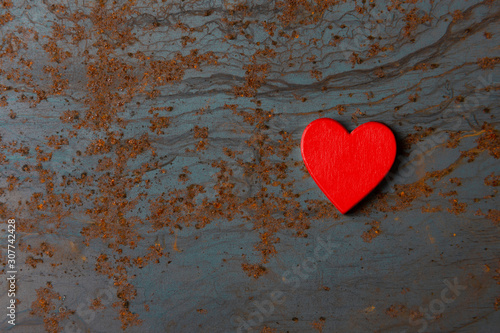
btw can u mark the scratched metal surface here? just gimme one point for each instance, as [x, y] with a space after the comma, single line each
[223, 230]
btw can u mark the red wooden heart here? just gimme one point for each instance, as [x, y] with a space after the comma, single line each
[347, 166]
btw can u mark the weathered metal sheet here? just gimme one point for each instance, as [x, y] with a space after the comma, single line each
[150, 157]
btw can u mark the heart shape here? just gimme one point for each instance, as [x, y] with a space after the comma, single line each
[347, 166]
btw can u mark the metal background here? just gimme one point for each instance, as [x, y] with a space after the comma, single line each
[433, 222]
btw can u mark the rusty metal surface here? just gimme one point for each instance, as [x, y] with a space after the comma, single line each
[150, 155]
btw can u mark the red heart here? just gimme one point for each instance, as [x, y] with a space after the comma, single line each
[347, 166]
